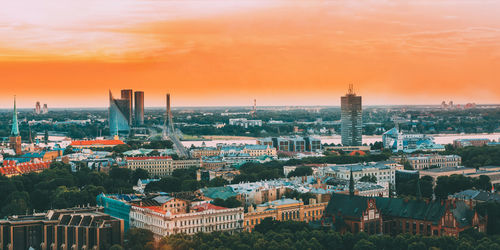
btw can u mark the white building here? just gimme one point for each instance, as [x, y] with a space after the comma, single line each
[243, 122]
[160, 165]
[202, 218]
[385, 172]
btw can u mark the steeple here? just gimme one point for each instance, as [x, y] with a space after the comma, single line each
[419, 192]
[351, 184]
[15, 126]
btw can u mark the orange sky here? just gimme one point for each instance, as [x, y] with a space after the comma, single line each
[281, 52]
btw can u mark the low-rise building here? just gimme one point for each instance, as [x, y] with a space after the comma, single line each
[200, 218]
[12, 168]
[283, 209]
[475, 142]
[425, 161]
[436, 172]
[226, 173]
[385, 172]
[160, 165]
[244, 122]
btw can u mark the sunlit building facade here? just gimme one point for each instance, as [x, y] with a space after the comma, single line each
[351, 119]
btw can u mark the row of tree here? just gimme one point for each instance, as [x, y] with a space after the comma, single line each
[298, 235]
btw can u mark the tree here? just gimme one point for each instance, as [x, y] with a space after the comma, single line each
[139, 174]
[230, 202]
[301, 171]
[364, 245]
[137, 238]
[368, 178]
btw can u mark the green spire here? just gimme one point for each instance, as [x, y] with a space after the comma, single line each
[419, 193]
[15, 126]
[351, 184]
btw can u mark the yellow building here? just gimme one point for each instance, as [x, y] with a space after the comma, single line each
[283, 209]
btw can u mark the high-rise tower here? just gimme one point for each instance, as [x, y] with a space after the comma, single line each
[139, 108]
[38, 108]
[351, 118]
[127, 95]
[15, 138]
[118, 116]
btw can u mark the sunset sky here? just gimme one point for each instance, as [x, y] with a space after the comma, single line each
[228, 52]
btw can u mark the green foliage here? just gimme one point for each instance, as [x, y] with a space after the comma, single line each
[475, 157]
[301, 171]
[158, 144]
[138, 238]
[271, 234]
[294, 194]
[230, 202]
[368, 178]
[409, 188]
[59, 187]
[447, 185]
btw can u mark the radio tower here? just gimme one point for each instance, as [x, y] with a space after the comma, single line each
[254, 110]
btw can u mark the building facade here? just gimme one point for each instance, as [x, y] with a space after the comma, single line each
[283, 210]
[420, 162]
[201, 218]
[139, 108]
[351, 119]
[476, 142]
[119, 115]
[78, 228]
[160, 165]
[379, 215]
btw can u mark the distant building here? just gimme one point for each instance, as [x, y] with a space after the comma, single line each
[425, 161]
[74, 228]
[292, 143]
[380, 215]
[243, 122]
[476, 142]
[436, 172]
[126, 94]
[139, 108]
[45, 109]
[160, 165]
[119, 115]
[38, 108]
[397, 141]
[351, 119]
[226, 173]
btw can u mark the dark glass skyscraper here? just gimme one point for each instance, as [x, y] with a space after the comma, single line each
[127, 95]
[351, 119]
[139, 108]
[119, 122]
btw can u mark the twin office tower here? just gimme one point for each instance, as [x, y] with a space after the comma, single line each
[121, 113]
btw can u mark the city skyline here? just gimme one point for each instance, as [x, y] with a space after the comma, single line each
[278, 52]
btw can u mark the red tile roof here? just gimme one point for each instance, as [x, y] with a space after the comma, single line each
[97, 142]
[141, 158]
[24, 168]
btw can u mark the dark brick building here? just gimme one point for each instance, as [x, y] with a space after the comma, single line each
[379, 215]
[78, 228]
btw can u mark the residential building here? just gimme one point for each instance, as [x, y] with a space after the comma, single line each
[283, 209]
[425, 161]
[74, 228]
[292, 143]
[385, 172]
[204, 217]
[380, 215]
[475, 142]
[160, 165]
[12, 168]
[243, 122]
[347, 149]
[351, 118]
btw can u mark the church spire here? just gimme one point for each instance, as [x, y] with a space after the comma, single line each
[351, 184]
[15, 126]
